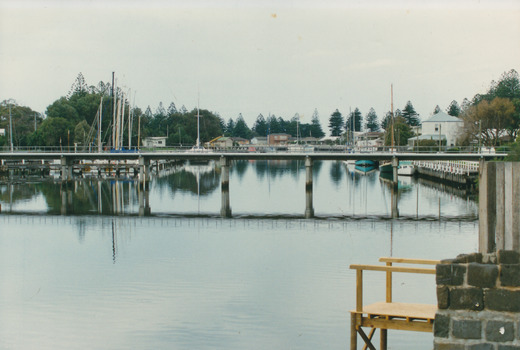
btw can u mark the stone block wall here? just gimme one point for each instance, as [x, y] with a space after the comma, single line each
[478, 298]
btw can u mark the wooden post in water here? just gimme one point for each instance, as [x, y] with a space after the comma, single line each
[499, 206]
[487, 206]
[309, 210]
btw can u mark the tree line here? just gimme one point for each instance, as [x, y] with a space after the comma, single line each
[492, 118]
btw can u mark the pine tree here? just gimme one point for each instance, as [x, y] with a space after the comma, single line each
[230, 127]
[355, 116]
[371, 122]
[316, 130]
[387, 121]
[160, 111]
[241, 129]
[260, 127]
[453, 109]
[436, 110]
[172, 109]
[336, 123]
[410, 115]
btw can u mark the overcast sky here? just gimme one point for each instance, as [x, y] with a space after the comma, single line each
[251, 57]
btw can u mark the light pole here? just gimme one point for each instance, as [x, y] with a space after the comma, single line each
[479, 135]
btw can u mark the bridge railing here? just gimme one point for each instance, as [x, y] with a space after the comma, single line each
[262, 149]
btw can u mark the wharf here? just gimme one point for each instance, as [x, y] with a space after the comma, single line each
[457, 172]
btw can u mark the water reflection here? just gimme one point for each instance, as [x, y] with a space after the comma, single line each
[202, 283]
[256, 188]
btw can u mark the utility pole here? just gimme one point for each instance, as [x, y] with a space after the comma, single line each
[10, 127]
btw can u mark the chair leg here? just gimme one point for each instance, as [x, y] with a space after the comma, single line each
[353, 332]
[384, 334]
[370, 336]
[365, 338]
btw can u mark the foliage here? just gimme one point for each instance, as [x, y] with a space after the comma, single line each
[354, 120]
[315, 128]
[260, 128]
[371, 123]
[23, 121]
[241, 129]
[410, 115]
[491, 118]
[387, 120]
[453, 109]
[402, 132]
[54, 132]
[81, 133]
[514, 153]
[336, 123]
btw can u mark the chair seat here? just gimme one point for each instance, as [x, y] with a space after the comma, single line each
[406, 311]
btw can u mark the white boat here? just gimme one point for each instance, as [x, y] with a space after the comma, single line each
[406, 168]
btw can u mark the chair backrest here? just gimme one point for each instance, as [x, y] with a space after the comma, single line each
[389, 269]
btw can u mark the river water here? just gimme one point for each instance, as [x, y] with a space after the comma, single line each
[99, 264]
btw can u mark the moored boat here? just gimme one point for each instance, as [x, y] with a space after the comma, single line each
[406, 168]
[366, 163]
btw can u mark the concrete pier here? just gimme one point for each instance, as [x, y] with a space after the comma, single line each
[144, 172]
[224, 164]
[309, 210]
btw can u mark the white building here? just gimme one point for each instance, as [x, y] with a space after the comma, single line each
[440, 125]
[159, 141]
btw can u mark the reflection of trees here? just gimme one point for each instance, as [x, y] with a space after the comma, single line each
[202, 183]
[14, 192]
[336, 172]
[88, 196]
[316, 169]
[239, 167]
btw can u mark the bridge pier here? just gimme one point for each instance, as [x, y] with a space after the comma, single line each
[224, 180]
[66, 169]
[144, 202]
[309, 210]
[144, 172]
[225, 209]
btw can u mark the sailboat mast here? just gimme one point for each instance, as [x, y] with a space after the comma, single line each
[122, 123]
[114, 110]
[99, 123]
[392, 107]
[198, 123]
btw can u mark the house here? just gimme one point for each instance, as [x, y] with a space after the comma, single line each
[371, 139]
[259, 140]
[157, 141]
[440, 125]
[278, 139]
[310, 140]
[240, 141]
[220, 142]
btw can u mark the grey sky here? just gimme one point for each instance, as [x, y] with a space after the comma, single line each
[252, 57]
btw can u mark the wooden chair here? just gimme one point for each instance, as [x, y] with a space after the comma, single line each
[388, 314]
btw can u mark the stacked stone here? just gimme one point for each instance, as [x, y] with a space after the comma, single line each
[478, 298]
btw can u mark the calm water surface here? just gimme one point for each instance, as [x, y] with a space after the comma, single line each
[79, 268]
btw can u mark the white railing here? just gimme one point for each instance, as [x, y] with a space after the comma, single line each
[458, 167]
